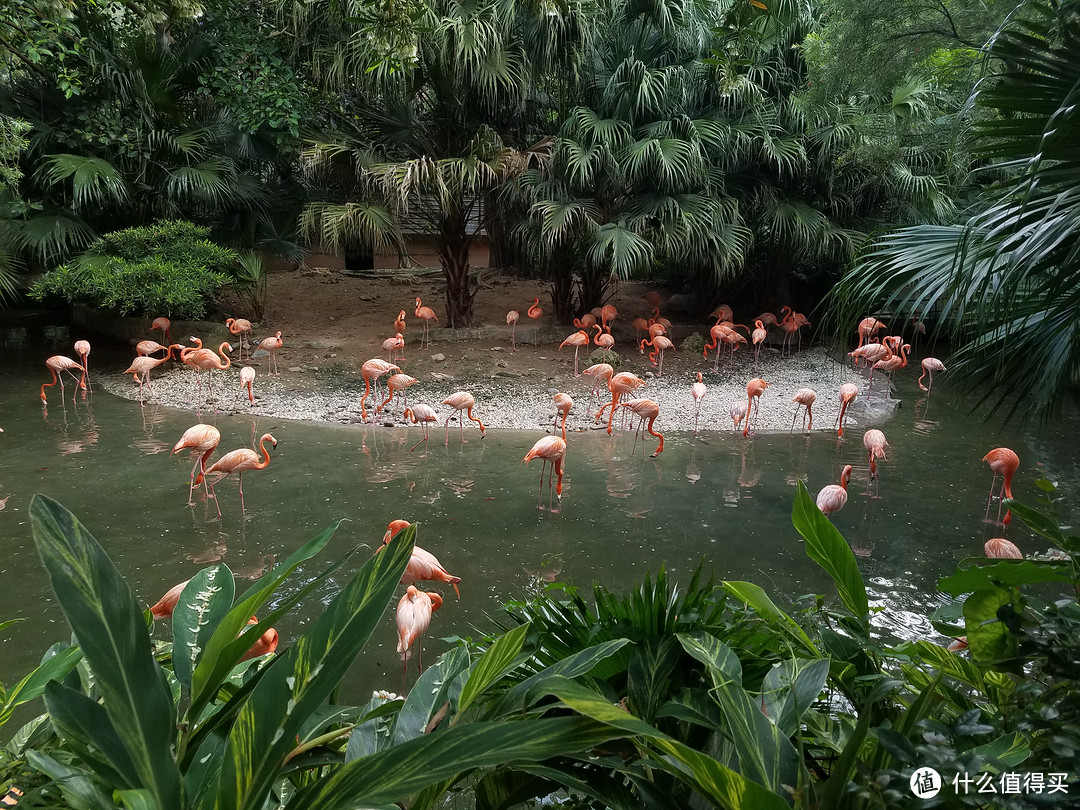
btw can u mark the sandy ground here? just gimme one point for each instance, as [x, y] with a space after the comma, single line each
[331, 323]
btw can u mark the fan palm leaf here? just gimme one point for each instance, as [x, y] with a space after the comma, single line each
[94, 181]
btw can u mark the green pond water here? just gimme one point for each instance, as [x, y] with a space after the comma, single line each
[721, 498]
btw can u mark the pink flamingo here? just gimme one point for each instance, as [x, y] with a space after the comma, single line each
[427, 315]
[1004, 462]
[659, 345]
[395, 385]
[423, 565]
[371, 371]
[577, 340]
[162, 325]
[141, 367]
[56, 364]
[601, 373]
[848, 392]
[421, 414]
[1001, 549]
[697, 391]
[239, 327]
[271, 345]
[239, 462]
[413, 618]
[511, 320]
[874, 442]
[758, 337]
[145, 348]
[754, 389]
[391, 345]
[603, 339]
[929, 366]
[461, 401]
[247, 377]
[833, 497]
[82, 348]
[619, 384]
[737, 411]
[202, 440]
[209, 361]
[647, 409]
[549, 449]
[536, 312]
[563, 404]
[804, 398]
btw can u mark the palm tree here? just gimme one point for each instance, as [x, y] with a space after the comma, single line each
[1006, 281]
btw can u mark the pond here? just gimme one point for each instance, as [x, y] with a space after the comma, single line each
[722, 499]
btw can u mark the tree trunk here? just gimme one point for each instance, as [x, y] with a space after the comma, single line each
[591, 288]
[454, 246]
[561, 276]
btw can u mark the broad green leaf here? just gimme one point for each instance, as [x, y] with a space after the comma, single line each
[206, 598]
[750, 594]
[303, 678]
[836, 786]
[789, 689]
[606, 787]
[573, 666]
[649, 673]
[765, 755]
[827, 547]
[1003, 573]
[988, 638]
[375, 730]
[218, 656]
[500, 658]
[56, 667]
[77, 786]
[428, 695]
[111, 631]
[135, 799]
[85, 726]
[1008, 750]
[405, 769]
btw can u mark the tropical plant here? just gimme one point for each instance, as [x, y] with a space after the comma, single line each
[1005, 283]
[169, 268]
[249, 284]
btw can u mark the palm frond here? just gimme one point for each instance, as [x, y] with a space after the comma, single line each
[94, 181]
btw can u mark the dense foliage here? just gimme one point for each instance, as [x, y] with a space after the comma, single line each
[169, 268]
[668, 696]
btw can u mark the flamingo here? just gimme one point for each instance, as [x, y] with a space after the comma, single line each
[697, 391]
[737, 411]
[603, 339]
[207, 360]
[640, 325]
[399, 322]
[164, 607]
[656, 320]
[874, 442]
[889, 346]
[804, 398]
[601, 373]
[871, 353]
[247, 377]
[586, 322]
[563, 404]
[722, 313]
[758, 337]
[866, 329]
[55, 365]
[82, 348]
[1001, 549]
[659, 344]
[754, 389]
[1004, 462]
[427, 315]
[371, 371]
[421, 414]
[271, 345]
[619, 384]
[202, 440]
[577, 340]
[767, 318]
[511, 321]
[848, 392]
[413, 618]
[461, 401]
[894, 363]
[833, 497]
[549, 449]
[145, 348]
[264, 645]
[162, 325]
[239, 462]
[395, 385]
[929, 366]
[240, 327]
[390, 345]
[141, 367]
[423, 565]
[608, 313]
[792, 324]
[647, 409]
[536, 313]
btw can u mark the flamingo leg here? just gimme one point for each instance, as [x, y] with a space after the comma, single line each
[513, 332]
[240, 478]
[540, 491]
[446, 440]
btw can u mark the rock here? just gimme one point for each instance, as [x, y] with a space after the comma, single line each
[497, 349]
[504, 373]
[695, 343]
[333, 356]
[553, 391]
[604, 356]
[295, 369]
[542, 357]
[501, 364]
[438, 358]
[679, 302]
[437, 377]
[649, 375]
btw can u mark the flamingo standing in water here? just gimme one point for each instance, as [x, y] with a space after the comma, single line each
[82, 348]
[754, 389]
[874, 442]
[162, 325]
[371, 371]
[577, 340]
[804, 398]
[601, 373]
[413, 618]
[56, 364]
[549, 449]
[563, 404]
[427, 315]
[929, 366]
[697, 391]
[511, 321]
[423, 565]
[271, 345]
[202, 440]
[239, 462]
[833, 497]
[737, 411]
[247, 377]
[649, 410]
[894, 363]
[461, 401]
[421, 414]
[240, 327]
[395, 385]
[1001, 549]
[1004, 462]
[848, 392]
[536, 313]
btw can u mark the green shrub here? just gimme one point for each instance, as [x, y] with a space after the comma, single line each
[168, 268]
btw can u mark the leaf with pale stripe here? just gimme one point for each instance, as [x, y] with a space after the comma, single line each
[205, 600]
